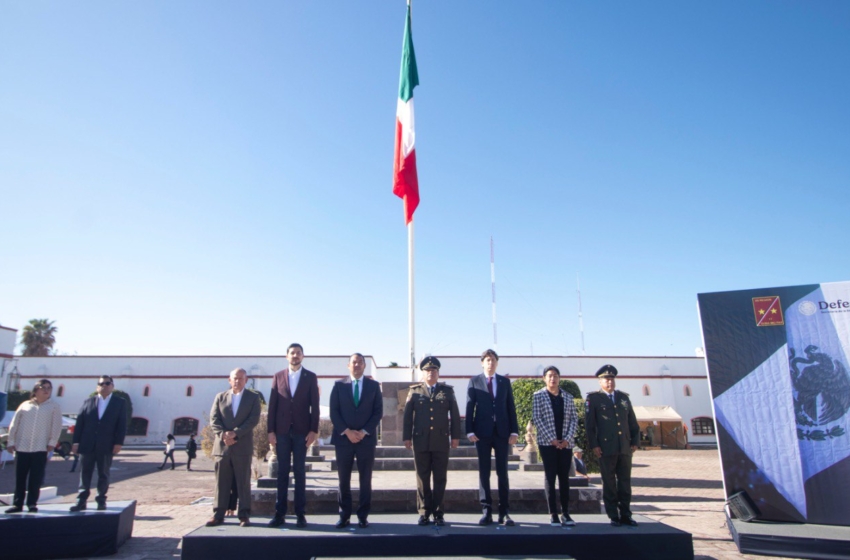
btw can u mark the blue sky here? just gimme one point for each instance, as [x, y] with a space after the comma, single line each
[215, 177]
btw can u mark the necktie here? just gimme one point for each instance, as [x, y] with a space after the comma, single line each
[431, 391]
[356, 392]
[490, 387]
[613, 402]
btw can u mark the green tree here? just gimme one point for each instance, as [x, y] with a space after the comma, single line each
[15, 399]
[38, 337]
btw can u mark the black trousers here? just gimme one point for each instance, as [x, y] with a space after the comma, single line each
[500, 447]
[89, 461]
[556, 464]
[430, 463]
[345, 455]
[291, 456]
[168, 455]
[29, 474]
[616, 472]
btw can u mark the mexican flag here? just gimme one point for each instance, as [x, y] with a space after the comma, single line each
[405, 181]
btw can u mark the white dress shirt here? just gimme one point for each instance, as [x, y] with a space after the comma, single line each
[294, 378]
[102, 404]
[234, 404]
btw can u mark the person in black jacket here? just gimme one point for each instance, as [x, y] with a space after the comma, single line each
[191, 451]
[98, 437]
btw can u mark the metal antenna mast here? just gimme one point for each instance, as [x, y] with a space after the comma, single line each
[493, 286]
[580, 320]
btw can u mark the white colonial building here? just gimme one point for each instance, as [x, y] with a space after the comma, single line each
[173, 394]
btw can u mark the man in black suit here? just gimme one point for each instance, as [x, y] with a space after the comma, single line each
[356, 409]
[293, 427]
[491, 423]
[98, 436]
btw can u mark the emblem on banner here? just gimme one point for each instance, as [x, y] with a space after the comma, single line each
[821, 393]
[768, 311]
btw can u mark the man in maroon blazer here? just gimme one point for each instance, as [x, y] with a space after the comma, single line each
[293, 427]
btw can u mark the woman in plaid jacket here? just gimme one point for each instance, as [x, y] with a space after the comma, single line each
[554, 416]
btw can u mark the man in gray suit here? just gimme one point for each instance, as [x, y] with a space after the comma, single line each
[233, 417]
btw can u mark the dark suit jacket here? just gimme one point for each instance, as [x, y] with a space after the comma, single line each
[100, 435]
[480, 408]
[222, 420]
[366, 416]
[299, 412]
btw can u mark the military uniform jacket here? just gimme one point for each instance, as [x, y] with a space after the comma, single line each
[430, 420]
[613, 428]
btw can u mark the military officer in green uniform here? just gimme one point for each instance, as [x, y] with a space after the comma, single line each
[613, 435]
[431, 420]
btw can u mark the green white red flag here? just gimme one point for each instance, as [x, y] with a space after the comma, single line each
[405, 180]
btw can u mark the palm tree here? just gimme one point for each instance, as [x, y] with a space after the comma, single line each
[38, 337]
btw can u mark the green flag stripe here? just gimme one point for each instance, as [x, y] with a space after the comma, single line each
[409, 78]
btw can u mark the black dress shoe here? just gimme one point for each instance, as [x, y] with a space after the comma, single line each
[300, 521]
[277, 521]
[244, 522]
[32, 509]
[628, 521]
[15, 509]
[79, 506]
[615, 522]
[486, 519]
[214, 522]
[343, 523]
[101, 506]
[423, 520]
[439, 521]
[506, 520]
[363, 523]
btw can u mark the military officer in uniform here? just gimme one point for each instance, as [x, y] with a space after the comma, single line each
[613, 435]
[431, 418]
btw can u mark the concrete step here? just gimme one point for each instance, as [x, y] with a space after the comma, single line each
[583, 499]
[407, 464]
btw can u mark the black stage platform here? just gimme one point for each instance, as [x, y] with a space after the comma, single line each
[54, 532]
[398, 535]
[794, 540]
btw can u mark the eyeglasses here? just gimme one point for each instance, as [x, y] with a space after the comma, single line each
[105, 383]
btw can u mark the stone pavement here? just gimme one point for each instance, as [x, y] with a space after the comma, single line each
[680, 488]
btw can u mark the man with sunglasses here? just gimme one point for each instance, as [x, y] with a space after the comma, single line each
[98, 436]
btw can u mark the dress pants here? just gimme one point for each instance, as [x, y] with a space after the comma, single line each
[427, 463]
[291, 456]
[556, 464]
[88, 461]
[345, 455]
[616, 473]
[29, 474]
[228, 467]
[500, 446]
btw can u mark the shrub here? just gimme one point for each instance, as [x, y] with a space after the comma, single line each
[15, 398]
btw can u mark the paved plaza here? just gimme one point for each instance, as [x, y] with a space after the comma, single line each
[680, 488]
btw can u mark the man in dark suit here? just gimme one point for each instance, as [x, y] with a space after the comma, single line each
[233, 417]
[293, 427]
[356, 409]
[613, 435]
[98, 436]
[431, 422]
[491, 423]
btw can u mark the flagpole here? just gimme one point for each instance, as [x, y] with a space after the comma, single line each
[410, 305]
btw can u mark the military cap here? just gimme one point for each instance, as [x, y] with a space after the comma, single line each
[607, 371]
[429, 362]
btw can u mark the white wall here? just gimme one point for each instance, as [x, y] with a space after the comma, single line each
[169, 376]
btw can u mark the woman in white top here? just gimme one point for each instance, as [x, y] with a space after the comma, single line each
[169, 452]
[34, 432]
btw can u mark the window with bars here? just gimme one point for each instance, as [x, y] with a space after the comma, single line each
[702, 426]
